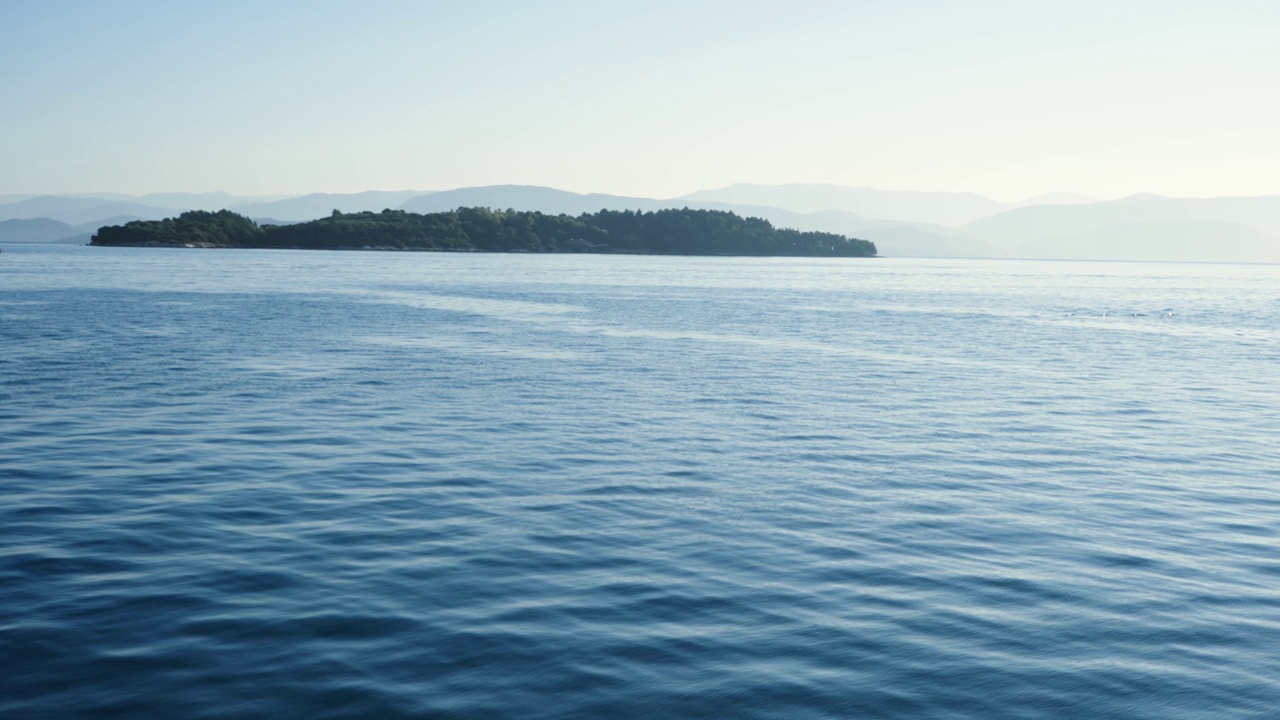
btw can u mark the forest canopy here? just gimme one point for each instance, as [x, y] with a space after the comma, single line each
[662, 232]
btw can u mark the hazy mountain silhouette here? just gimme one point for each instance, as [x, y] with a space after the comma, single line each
[211, 201]
[34, 230]
[892, 239]
[75, 210]
[530, 197]
[553, 201]
[1058, 225]
[900, 241]
[927, 207]
[44, 230]
[101, 207]
[1070, 226]
[906, 241]
[556, 202]
[318, 205]
[1029, 224]
[121, 197]
[1164, 239]
[89, 227]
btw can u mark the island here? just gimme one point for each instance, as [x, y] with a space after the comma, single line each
[478, 229]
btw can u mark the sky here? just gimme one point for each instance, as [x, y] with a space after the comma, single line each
[1007, 98]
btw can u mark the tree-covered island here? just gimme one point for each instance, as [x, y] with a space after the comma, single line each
[663, 232]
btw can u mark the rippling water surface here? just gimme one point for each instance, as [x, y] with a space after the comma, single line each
[293, 484]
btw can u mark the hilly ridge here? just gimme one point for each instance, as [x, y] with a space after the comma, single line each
[942, 208]
[34, 230]
[317, 205]
[78, 210]
[1177, 240]
[902, 224]
[900, 239]
[1028, 224]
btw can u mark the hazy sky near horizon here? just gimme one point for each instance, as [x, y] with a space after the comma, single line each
[1008, 98]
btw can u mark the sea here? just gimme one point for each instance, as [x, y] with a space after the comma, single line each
[299, 484]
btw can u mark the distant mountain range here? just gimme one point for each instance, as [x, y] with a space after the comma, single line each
[930, 207]
[940, 208]
[902, 239]
[44, 230]
[79, 210]
[1163, 239]
[317, 205]
[1028, 224]
[901, 223]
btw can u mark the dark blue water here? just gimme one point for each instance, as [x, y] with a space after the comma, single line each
[260, 484]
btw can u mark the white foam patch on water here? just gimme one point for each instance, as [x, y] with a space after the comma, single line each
[801, 347]
[285, 366]
[489, 307]
[1167, 324]
[857, 309]
[489, 345]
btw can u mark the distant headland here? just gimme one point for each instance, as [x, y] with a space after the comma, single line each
[478, 229]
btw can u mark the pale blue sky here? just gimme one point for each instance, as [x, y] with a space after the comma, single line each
[1002, 97]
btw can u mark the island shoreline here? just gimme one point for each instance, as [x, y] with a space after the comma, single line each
[686, 232]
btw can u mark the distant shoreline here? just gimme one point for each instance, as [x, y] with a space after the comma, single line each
[458, 252]
[662, 232]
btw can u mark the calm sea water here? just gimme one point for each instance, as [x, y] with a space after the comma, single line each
[261, 484]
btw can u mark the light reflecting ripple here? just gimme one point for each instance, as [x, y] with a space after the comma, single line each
[296, 484]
